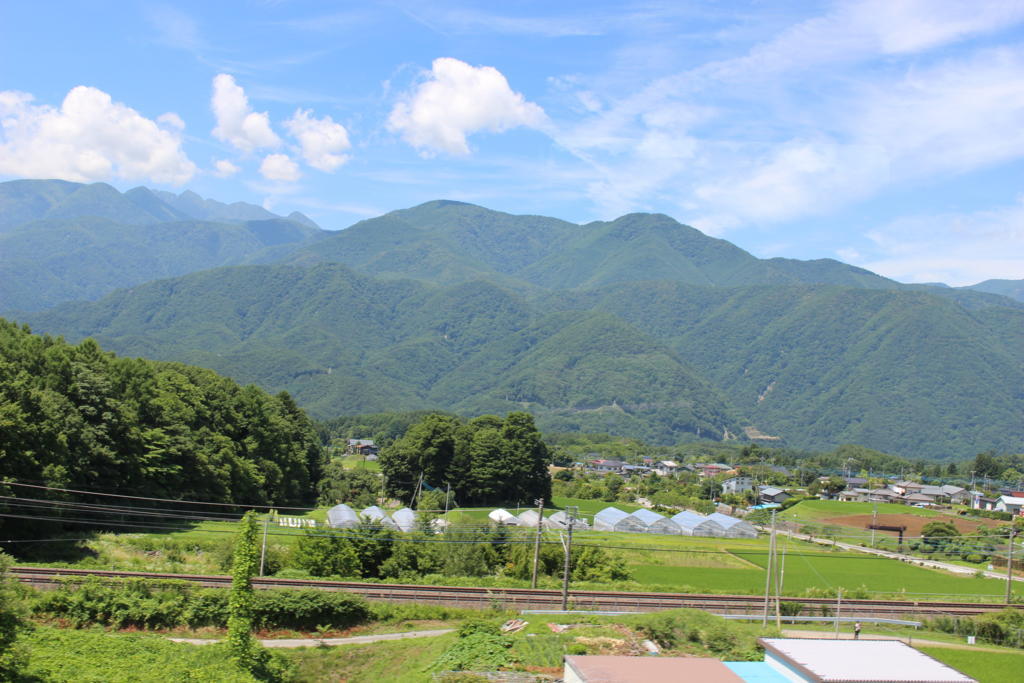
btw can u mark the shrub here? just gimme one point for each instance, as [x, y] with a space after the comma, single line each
[471, 626]
[661, 628]
[480, 651]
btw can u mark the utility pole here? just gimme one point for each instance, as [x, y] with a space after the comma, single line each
[536, 547]
[570, 513]
[874, 523]
[1009, 566]
[839, 605]
[263, 552]
[447, 494]
[778, 603]
[768, 573]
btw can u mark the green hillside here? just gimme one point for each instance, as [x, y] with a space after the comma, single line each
[900, 371]
[64, 241]
[1011, 288]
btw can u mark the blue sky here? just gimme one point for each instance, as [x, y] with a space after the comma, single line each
[885, 133]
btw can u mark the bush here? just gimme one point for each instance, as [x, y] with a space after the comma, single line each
[308, 609]
[661, 628]
[471, 626]
[479, 651]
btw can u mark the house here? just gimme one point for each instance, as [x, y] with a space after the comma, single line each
[614, 519]
[854, 495]
[919, 499]
[640, 470]
[666, 468]
[770, 494]
[695, 524]
[957, 495]
[363, 447]
[882, 496]
[605, 466]
[732, 527]
[712, 469]
[1011, 504]
[657, 524]
[906, 487]
[853, 482]
[739, 484]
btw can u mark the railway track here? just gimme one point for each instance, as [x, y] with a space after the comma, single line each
[528, 598]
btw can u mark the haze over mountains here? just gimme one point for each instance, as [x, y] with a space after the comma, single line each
[638, 326]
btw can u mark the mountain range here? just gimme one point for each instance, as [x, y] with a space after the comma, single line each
[639, 326]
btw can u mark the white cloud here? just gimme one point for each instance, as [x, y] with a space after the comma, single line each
[322, 140]
[224, 168]
[279, 167]
[458, 100]
[958, 249]
[89, 138]
[237, 123]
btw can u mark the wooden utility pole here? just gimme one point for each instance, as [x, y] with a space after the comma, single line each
[536, 547]
[839, 605]
[570, 513]
[778, 579]
[1009, 567]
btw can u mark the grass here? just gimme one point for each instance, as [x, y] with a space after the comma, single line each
[988, 667]
[818, 510]
[396, 660]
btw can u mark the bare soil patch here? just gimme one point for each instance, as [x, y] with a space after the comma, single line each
[914, 523]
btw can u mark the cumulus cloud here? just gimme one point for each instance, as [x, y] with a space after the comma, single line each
[89, 137]
[457, 100]
[279, 167]
[322, 140]
[237, 123]
[224, 168]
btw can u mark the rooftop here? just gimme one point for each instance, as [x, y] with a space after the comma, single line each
[619, 669]
[867, 661]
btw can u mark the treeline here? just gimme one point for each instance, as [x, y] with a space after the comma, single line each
[77, 417]
[487, 460]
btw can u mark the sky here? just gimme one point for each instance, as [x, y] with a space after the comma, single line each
[888, 134]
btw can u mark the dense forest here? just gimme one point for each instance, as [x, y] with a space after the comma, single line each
[77, 417]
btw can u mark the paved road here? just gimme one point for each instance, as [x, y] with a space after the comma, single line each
[314, 642]
[934, 564]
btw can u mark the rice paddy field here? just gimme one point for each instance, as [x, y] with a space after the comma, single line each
[656, 562]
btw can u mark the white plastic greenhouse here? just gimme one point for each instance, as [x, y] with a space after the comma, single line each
[734, 528]
[655, 523]
[614, 519]
[341, 516]
[405, 519]
[503, 516]
[695, 524]
[559, 520]
[375, 514]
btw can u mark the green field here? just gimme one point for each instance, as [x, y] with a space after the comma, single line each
[986, 667]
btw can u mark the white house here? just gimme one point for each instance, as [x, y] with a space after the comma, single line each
[1010, 504]
[739, 484]
[666, 468]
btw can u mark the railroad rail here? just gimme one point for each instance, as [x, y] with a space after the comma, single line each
[530, 598]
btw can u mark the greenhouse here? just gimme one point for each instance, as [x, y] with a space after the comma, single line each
[375, 514]
[503, 516]
[734, 528]
[613, 519]
[657, 524]
[341, 516]
[560, 520]
[695, 524]
[405, 519]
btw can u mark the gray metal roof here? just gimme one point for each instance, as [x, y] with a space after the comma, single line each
[870, 661]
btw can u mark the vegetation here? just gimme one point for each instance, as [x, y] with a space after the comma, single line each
[76, 417]
[990, 667]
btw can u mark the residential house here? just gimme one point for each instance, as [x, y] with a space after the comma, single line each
[957, 495]
[606, 466]
[713, 469]
[854, 495]
[640, 470]
[1011, 504]
[883, 496]
[364, 447]
[738, 484]
[666, 468]
[771, 494]
[919, 499]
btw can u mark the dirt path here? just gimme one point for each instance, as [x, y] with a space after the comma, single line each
[314, 642]
[790, 633]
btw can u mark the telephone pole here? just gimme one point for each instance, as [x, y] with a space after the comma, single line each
[1009, 566]
[570, 513]
[263, 552]
[536, 547]
[768, 573]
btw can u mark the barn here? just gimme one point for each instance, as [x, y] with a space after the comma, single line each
[614, 519]
[341, 516]
[657, 524]
[695, 524]
[734, 528]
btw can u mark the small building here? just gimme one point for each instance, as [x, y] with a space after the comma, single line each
[405, 519]
[695, 524]
[739, 484]
[605, 466]
[666, 468]
[375, 514]
[364, 447]
[503, 516]
[919, 499]
[771, 494]
[957, 495]
[657, 524]
[857, 495]
[614, 519]
[732, 527]
[882, 496]
[713, 469]
[640, 470]
[867, 661]
[1011, 504]
[341, 516]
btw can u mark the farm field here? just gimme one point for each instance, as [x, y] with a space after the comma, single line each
[989, 667]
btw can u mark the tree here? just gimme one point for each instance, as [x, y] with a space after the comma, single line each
[244, 648]
[326, 552]
[358, 488]
[12, 622]
[937, 535]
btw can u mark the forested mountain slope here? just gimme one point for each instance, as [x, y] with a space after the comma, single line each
[78, 417]
[62, 241]
[905, 372]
